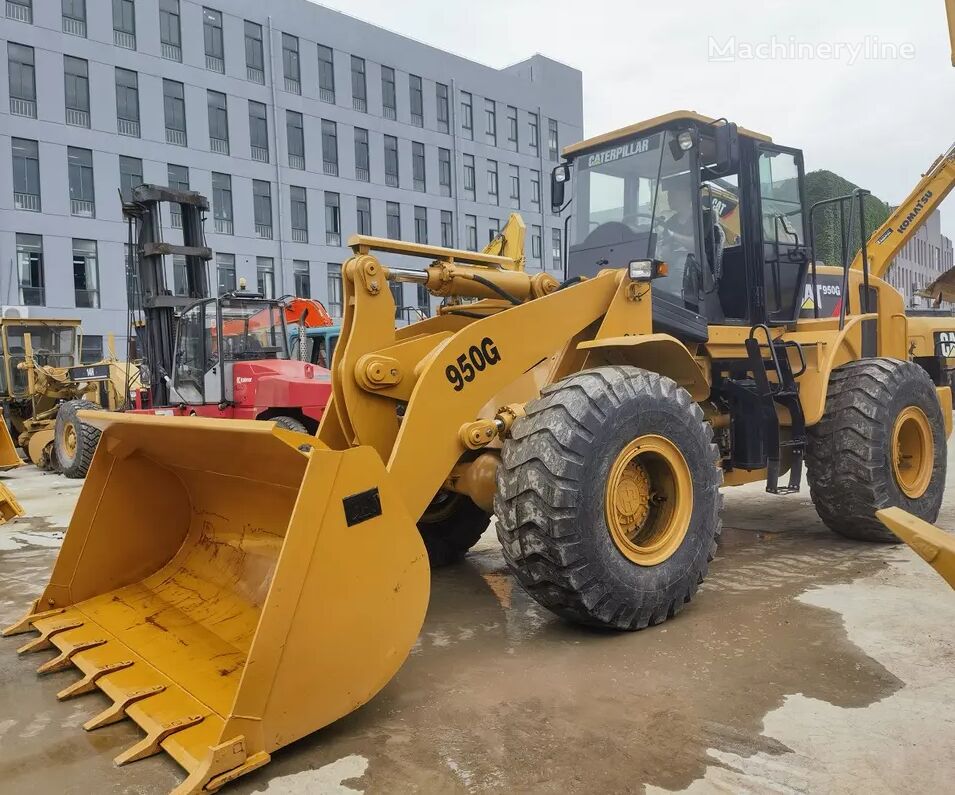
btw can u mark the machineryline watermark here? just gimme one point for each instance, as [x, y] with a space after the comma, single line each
[790, 48]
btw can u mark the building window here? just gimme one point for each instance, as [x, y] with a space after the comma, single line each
[424, 300]
[363, 206]
[421, 225]
[225, 272]
[552, 142]
[535, 188]
[515, 186]
[262, 208]
[443, 108]
[80, 168]
[22, 80]
[326, 74]
[329, 148]
[536, 243]
[492, 182]
[299, 203]
[359, 89]
[467, 114]
[265, 276]
[397, 294]
[391, 161]
[131, 263]
[254, 53]
[393, 218]
[493, 228]
[124, 24]
[470, 230]
[74, 17]
[333, 219]
[218, 122]
[20, 10]
[469, 176]
[212, 35]
[127, 102]
[490, 122]
[389, 98]
[26, 174]
[130, 175]
[85, 274]
[417, 100]
[222, 203]
[170, 32]
[444, 171]
[301, 274]
[258, 132]
[334, 283]
[77, 91]
[556, 250]
[180, 285]
[418, 177]
[362, 163]
[174, 102]
[295, 134]
[91, 350]
[534, 139]
[291, 67]
[447, 229]
[30, 267]
[177, 177]
[512, 127]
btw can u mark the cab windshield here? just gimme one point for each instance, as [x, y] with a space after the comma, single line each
[636, 200]
[253, 330]
[53, 346]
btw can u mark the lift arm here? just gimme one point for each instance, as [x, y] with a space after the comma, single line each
[886, 241]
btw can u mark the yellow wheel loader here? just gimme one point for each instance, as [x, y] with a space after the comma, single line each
[43, 386]
[275, 581]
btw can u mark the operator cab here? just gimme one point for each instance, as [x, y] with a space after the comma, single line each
[216, 333]
[723, 207]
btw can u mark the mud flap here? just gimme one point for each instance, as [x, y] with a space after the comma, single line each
[231, 586]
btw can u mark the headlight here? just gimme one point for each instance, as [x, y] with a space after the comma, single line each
[641, 270]
[560, 175]
[685, 139]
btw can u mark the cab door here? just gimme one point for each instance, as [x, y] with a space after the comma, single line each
[782, 222]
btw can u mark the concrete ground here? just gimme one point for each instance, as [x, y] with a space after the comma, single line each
[806, 663]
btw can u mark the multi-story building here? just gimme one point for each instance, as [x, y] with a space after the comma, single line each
[921, 261]
[302, 126]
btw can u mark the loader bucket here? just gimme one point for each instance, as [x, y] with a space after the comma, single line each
[9, 459]
[229, 590]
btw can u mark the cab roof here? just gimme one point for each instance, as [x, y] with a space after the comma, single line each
[649, 124]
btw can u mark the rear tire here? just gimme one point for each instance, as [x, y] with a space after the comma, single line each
[289, 423]
[74, 442]
[860, 454]
[450, 527]
[559, 491]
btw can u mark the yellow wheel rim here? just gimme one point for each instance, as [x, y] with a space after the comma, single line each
[649, 500]
[69, 440]
[913, 452]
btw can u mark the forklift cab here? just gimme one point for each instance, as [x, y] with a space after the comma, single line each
[722, 206]
[216, 333]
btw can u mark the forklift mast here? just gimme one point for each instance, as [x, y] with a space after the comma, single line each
[156, 334]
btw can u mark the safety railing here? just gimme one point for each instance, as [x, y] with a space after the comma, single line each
[77, 118]
[255, 75]
[219, 145]
[215, 64]
[171, 52]
[299, 235]
[260, 154]
[19, 12]
[75, 27]
[123, 39]
[82, 208]
[127, 127]
[175, 137]
[27, 201]
[23, 107]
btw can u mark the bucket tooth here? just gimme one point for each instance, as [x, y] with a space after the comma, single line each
[151, 743]
[25, 623]
[45, 640]
[65, 658]
[117, 711]
[88, 683]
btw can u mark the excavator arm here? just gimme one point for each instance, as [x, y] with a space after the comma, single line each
[886, 241]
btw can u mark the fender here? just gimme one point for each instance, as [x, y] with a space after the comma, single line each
[658, 353]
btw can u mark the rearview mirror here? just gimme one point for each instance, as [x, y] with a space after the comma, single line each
[727, 147]
[559, 177]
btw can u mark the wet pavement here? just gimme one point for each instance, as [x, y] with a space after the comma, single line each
[805, 663]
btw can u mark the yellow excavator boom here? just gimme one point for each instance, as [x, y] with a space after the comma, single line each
[934, 546]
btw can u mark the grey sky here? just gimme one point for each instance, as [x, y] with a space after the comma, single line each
[877, 121]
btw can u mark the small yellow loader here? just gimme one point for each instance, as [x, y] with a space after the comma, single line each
[274, 581]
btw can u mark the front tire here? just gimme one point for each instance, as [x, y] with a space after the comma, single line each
[74, 442]
[608, 498]
[880, 443]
